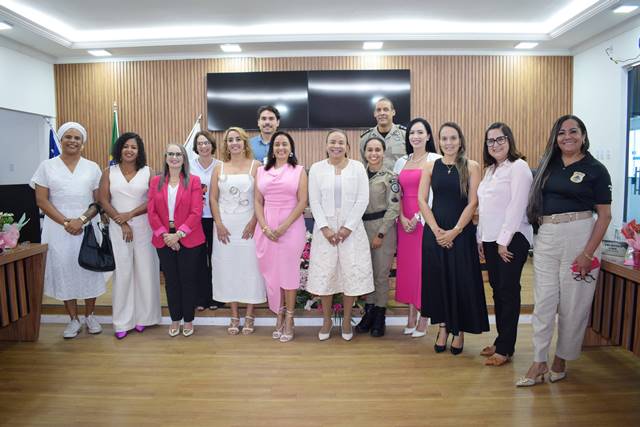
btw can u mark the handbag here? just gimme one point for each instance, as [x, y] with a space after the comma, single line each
[94, 256]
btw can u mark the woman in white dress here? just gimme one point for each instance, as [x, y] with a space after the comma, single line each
[204, 144]
[66, 189]
[340, 260]
[123, 196]
[236, 277]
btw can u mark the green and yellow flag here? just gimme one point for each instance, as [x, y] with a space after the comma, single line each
[115, 134]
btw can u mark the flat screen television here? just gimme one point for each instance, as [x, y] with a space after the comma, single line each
[346, 99]
[306, 99]
[233, 99]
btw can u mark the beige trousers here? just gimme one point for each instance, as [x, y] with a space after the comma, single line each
[556, 290]
[381, 260]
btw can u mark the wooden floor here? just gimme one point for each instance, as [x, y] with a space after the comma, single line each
[213, 379]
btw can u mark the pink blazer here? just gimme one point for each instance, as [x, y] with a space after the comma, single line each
[187, 215]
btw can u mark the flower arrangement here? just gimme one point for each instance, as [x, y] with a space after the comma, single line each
[308, 301]
[631, 232]
[10, 230]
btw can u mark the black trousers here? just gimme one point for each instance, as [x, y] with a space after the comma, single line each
[504, 278]
[180, 270]
[204, 290]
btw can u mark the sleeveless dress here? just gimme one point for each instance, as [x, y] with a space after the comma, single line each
[452, 290]
[279, 261]
[136, 279]
[409, 252]
[236, 277]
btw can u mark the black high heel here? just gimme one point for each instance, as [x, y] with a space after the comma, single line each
[440, 348]
[456, 350]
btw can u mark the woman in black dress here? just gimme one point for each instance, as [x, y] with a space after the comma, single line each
[452, 290]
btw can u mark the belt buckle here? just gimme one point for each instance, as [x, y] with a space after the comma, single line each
[554, 219]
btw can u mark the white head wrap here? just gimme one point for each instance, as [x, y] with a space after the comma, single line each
[72, 125]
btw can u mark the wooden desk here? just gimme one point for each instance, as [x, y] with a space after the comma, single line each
[615, 313]
[21, 282]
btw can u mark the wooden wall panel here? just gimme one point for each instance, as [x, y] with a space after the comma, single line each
[161, 99]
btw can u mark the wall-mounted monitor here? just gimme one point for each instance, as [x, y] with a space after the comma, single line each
[306, 99]
[346, 99]
[233, 99]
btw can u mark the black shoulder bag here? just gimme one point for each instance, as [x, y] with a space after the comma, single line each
[96, 257]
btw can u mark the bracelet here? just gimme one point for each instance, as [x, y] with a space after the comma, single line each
[457, 228]
[586, 255]
[265, 228]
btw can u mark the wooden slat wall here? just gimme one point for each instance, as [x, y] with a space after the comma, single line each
[161, 99]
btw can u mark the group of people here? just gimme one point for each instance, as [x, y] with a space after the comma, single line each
[231, 231]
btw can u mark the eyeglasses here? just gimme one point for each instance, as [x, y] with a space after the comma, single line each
[171, 154]
[499, 140]
[203, 143]
[588, 278]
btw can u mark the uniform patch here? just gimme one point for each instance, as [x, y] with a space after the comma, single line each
[577, 177]
[395, 186]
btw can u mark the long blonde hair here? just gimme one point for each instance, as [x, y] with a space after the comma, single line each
[224, 150]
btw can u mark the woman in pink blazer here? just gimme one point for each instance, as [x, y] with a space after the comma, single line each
[175, 210]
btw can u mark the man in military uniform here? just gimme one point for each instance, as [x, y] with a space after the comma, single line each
[380, 224]
[391, 133]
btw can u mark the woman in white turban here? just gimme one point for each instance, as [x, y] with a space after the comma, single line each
[66, 189]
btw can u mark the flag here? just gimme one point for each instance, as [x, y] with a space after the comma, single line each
[188, 144]
[54, 147]
[115, 134]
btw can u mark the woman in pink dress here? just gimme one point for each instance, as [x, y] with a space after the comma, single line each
[420, 150]
[280, 199]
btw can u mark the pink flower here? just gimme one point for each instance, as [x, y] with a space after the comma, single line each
[9, 237]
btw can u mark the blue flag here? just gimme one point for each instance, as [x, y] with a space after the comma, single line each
[54, 151]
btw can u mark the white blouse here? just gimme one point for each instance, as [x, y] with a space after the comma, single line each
[205, 179]
[172, 193]
[502, 203]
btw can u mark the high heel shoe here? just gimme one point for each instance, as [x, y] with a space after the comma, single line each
[530, 382]
[280, 321]
[286, 337]
[234, 326]
[346, 336]
[248, 328]
[417, 333]
[441, 348]
[409, 331]
[456, 350]
[554, 377]
[324, 336]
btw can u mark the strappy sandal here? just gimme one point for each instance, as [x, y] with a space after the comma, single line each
[497, 360]
[234, 326]
[287, 337]
[529, 382]
[488, 351]
[248, 329]
[280, 321]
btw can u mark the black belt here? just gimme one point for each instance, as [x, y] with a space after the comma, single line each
[373, 215]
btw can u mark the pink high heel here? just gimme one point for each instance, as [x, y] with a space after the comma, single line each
[139, 328]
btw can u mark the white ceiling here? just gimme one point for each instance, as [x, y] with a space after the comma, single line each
[131, 29]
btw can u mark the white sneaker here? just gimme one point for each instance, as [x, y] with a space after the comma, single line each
[92, 324]
[72, 329]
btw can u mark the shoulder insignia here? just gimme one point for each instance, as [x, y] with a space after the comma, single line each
[395, 185]
[366, 132]
[402, 127]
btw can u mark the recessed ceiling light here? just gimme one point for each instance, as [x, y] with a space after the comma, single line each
[231, 48]
[625, 9]
[5, 26]
[372, 45]
[526, 45]
[99, 52]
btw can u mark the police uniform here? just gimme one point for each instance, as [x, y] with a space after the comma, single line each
[379, 220]
[394, 142]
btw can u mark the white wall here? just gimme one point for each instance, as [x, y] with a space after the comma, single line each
[600, 99]
[27, 94]
[26, 83]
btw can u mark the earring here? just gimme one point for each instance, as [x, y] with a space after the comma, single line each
[291, 154]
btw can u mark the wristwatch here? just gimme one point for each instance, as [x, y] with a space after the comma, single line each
[83, 219]
[181, 233]
[380, 235]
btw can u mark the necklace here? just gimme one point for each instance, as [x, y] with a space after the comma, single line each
[449, 167]
[421, 158]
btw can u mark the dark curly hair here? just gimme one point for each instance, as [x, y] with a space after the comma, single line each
[271, 158]
[210, 138]
[116, 152]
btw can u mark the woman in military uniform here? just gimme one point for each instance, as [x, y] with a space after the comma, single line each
[379, 222]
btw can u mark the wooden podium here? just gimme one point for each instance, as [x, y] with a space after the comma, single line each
[21, 282]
